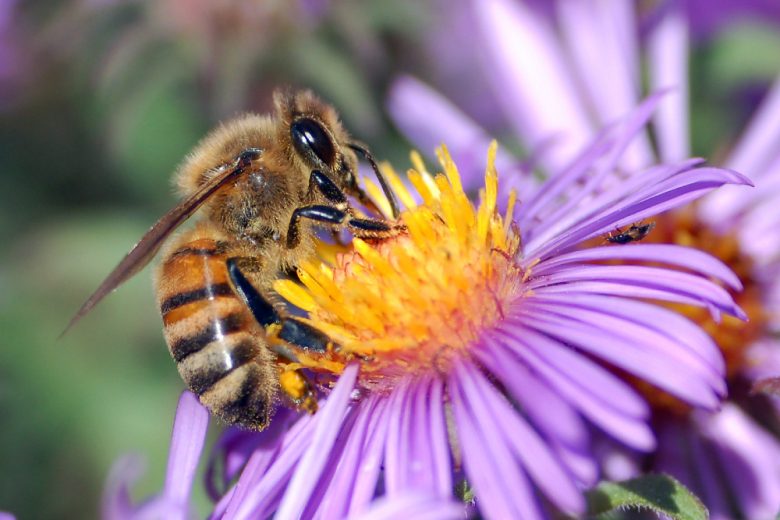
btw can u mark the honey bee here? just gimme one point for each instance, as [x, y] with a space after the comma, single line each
[263, 183]
[634, 233]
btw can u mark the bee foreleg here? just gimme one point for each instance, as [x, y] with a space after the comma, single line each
[360, 227]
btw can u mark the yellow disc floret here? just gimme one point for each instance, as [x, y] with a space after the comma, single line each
[415, 302]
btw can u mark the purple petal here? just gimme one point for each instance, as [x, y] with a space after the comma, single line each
[702, 359]
[751, 459]
[601, 37]
[549, 412]
[370, 460]
[413, 506]
[428, 120]
[709, 488]
[441, 465]
[116, 503]
[332, 465]
[326, 428]
[396, 446]
[521, 45]
[602, 153]
[594, 379]
[335, 501]
[656, 319]
[679, 256]
[417, 455]
[633, 431]
[760, 143]
[673, 282]
[9, 516]
[543, 467]
[235, 446]
[754, 155]
[259, 488]
[618, 288]
[189, 435]
[643, 203]
[551, 415]
[667, 49]
[628, 352]
[502, 489]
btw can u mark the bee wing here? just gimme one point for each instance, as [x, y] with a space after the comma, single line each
[143, 252]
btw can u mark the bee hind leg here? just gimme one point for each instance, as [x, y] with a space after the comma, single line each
[288, 329]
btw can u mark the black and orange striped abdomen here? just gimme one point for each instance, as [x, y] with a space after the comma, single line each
[218, 347]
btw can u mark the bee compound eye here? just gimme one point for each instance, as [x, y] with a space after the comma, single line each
[308, 136]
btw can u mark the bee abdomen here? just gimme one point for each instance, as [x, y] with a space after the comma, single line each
[212, 336]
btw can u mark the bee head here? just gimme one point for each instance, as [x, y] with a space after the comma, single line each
[317, 137]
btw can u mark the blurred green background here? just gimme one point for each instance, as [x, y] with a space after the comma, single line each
[99, 101]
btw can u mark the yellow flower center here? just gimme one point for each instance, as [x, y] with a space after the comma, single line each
[412, 304]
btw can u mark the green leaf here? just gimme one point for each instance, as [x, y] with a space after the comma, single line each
[661, 494]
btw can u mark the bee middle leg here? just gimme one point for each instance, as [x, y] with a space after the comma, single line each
[289, 329]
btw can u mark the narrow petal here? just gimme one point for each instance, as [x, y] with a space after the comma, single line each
[611, 346]
[632, 431]
[335, 502]
[679, 256]
[751, 460]
[413, 506]
[259, 489]
[656, 198]
[754, 155]
[502, 489]
[189, 435]
[603, 154]
[371, 459]
[675, 282]
[116, 503]
[551, 414]
[760, 143]
[655, 318]
[667, 50]
[327, 427]
[428, 120]
[520, 44]
[396, 447]
[414, 447]
[601, 36]
[612, 316]
[542, 465]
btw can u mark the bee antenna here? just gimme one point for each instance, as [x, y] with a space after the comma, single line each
[382, 181]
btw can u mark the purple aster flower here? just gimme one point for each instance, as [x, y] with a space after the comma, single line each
[473, 349]
[706, 17]
[591, 69]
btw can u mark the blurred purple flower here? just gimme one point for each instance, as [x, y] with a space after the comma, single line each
[189, 435]
[707, 17]
[581, 63]
[13, 66]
